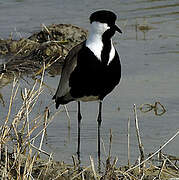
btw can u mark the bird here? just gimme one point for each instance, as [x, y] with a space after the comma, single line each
[92, 69]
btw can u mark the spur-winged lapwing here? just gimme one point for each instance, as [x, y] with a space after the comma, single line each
[91, 69]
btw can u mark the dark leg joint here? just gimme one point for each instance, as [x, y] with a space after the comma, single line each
[79, 117]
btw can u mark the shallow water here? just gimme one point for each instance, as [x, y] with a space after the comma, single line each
[150, 67]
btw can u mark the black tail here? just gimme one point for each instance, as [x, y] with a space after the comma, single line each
[59, 100]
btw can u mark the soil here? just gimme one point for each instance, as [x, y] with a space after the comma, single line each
[50, 45]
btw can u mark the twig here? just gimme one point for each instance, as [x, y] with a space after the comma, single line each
[92, 167]
[9, 111]
[80, 172]
[103, 145]
[155, 152]
[40, 150]
[50, 120]
[69, 119]
[59, 175]
[160, 172]
[45, 27]
[170, 161]
[46, 66]
[44, 129]
[128, 141]
[110, 143]
[141, 148]
[74, 161]
[114, 162]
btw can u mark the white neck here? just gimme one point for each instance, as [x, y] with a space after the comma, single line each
[94, 41]
[95, 44]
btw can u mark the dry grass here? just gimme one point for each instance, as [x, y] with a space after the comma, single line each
[21, 150]
[20, 156]
[18, 152]
[19, 136]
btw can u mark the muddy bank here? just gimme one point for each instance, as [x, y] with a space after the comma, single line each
[165, 168]
[50, 45]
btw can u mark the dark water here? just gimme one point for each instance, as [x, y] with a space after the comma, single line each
[150, 73]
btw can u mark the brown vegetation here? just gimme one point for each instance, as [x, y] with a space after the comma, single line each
[20, 155]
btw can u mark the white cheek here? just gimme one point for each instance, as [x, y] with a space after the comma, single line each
[99, 28]
[94, 41]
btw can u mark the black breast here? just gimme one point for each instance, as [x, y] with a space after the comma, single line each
[92, 77]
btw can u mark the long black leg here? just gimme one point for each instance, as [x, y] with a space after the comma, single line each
[79, 127]
[99, 120]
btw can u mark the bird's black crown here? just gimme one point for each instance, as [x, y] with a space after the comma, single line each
[103, 16]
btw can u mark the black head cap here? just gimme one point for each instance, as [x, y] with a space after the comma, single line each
[103, 16]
